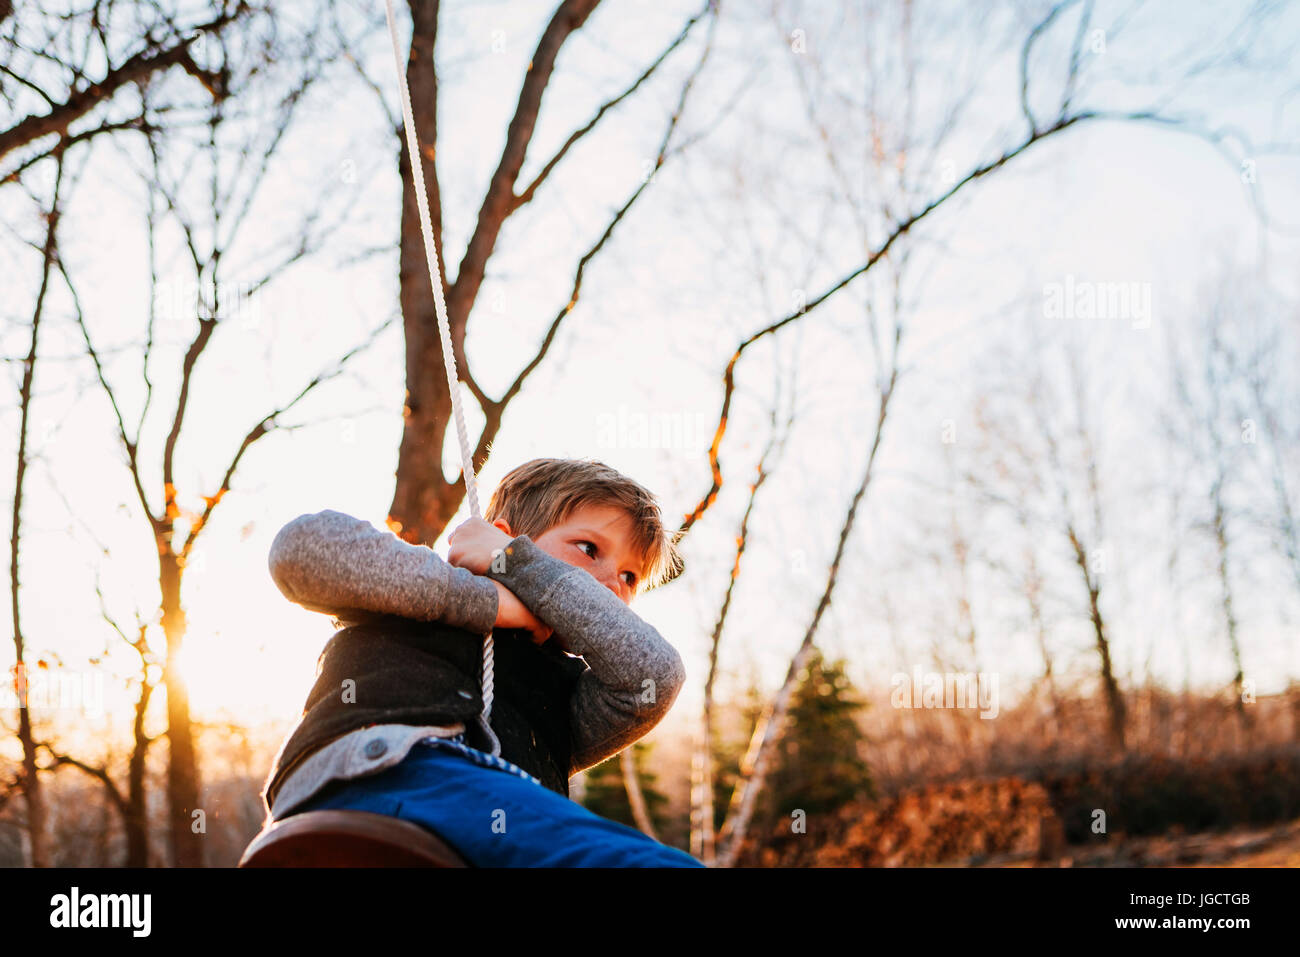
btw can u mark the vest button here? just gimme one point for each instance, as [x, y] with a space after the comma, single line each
[464, 694]
[375, 748]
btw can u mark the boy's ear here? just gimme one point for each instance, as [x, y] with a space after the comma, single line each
[502, 524]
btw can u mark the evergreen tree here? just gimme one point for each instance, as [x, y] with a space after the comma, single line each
[817, 766]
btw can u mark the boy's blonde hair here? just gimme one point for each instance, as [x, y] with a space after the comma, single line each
[542, 493]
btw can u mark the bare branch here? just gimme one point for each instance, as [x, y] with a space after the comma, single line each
[498, 405]
[554, 161]
[206, 327]
[134, 69]
[899, 230]
[267, 424]
[98, 773]
[498, 201]
[1085, 18]
[1025, 52]
[139, 123]
[131, 445]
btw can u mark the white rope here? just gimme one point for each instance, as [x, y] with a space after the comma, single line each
[444, 330]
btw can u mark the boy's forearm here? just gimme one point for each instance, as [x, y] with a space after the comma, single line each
[635, 675]
[343, 566]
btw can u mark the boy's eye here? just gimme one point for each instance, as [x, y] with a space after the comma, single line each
[631, 576]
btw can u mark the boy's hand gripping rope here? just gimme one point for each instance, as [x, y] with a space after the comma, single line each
[444, 330]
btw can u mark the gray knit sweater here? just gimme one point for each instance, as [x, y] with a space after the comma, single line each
[342, 566]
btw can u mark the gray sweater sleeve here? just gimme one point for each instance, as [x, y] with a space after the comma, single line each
[343, 566]
[633, 675]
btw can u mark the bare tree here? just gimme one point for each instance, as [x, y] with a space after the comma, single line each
[1032, 588]
[635, 797]
[56, 69]
[889, 168]
[1271, 403]
[424, 500]
[1263, 355]
[131, 806]
[37, 829]
[205, 192]
[1038, 462]
[1212, 422]
[1063, 114]
[925, 156]
[703, 841]
[756, 763]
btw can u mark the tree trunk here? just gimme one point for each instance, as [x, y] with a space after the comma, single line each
[1229, 615]
[1114, 700]
[37, 824]
[703, 846]
[771, 725]
[38, 837]
[423, 501]
[182, 770]
[1033, 597]
[635, 799]
[136, 821]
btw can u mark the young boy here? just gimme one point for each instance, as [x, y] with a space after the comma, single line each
[392, 725]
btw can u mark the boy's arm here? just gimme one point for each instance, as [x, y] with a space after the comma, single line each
[343, 566]
[633, 674]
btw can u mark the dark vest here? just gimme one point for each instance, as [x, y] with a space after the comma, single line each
[414, 672]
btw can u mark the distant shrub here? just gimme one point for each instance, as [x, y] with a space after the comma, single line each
[1150, 794]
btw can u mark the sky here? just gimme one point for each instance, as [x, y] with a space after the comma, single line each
[734, 230]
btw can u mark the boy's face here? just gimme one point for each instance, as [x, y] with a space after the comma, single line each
[597, 538]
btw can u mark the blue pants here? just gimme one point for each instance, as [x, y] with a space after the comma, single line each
[495, 818]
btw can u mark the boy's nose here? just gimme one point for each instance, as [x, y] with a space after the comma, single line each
[610, 580]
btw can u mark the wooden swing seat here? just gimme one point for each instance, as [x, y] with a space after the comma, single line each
[348, 839]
